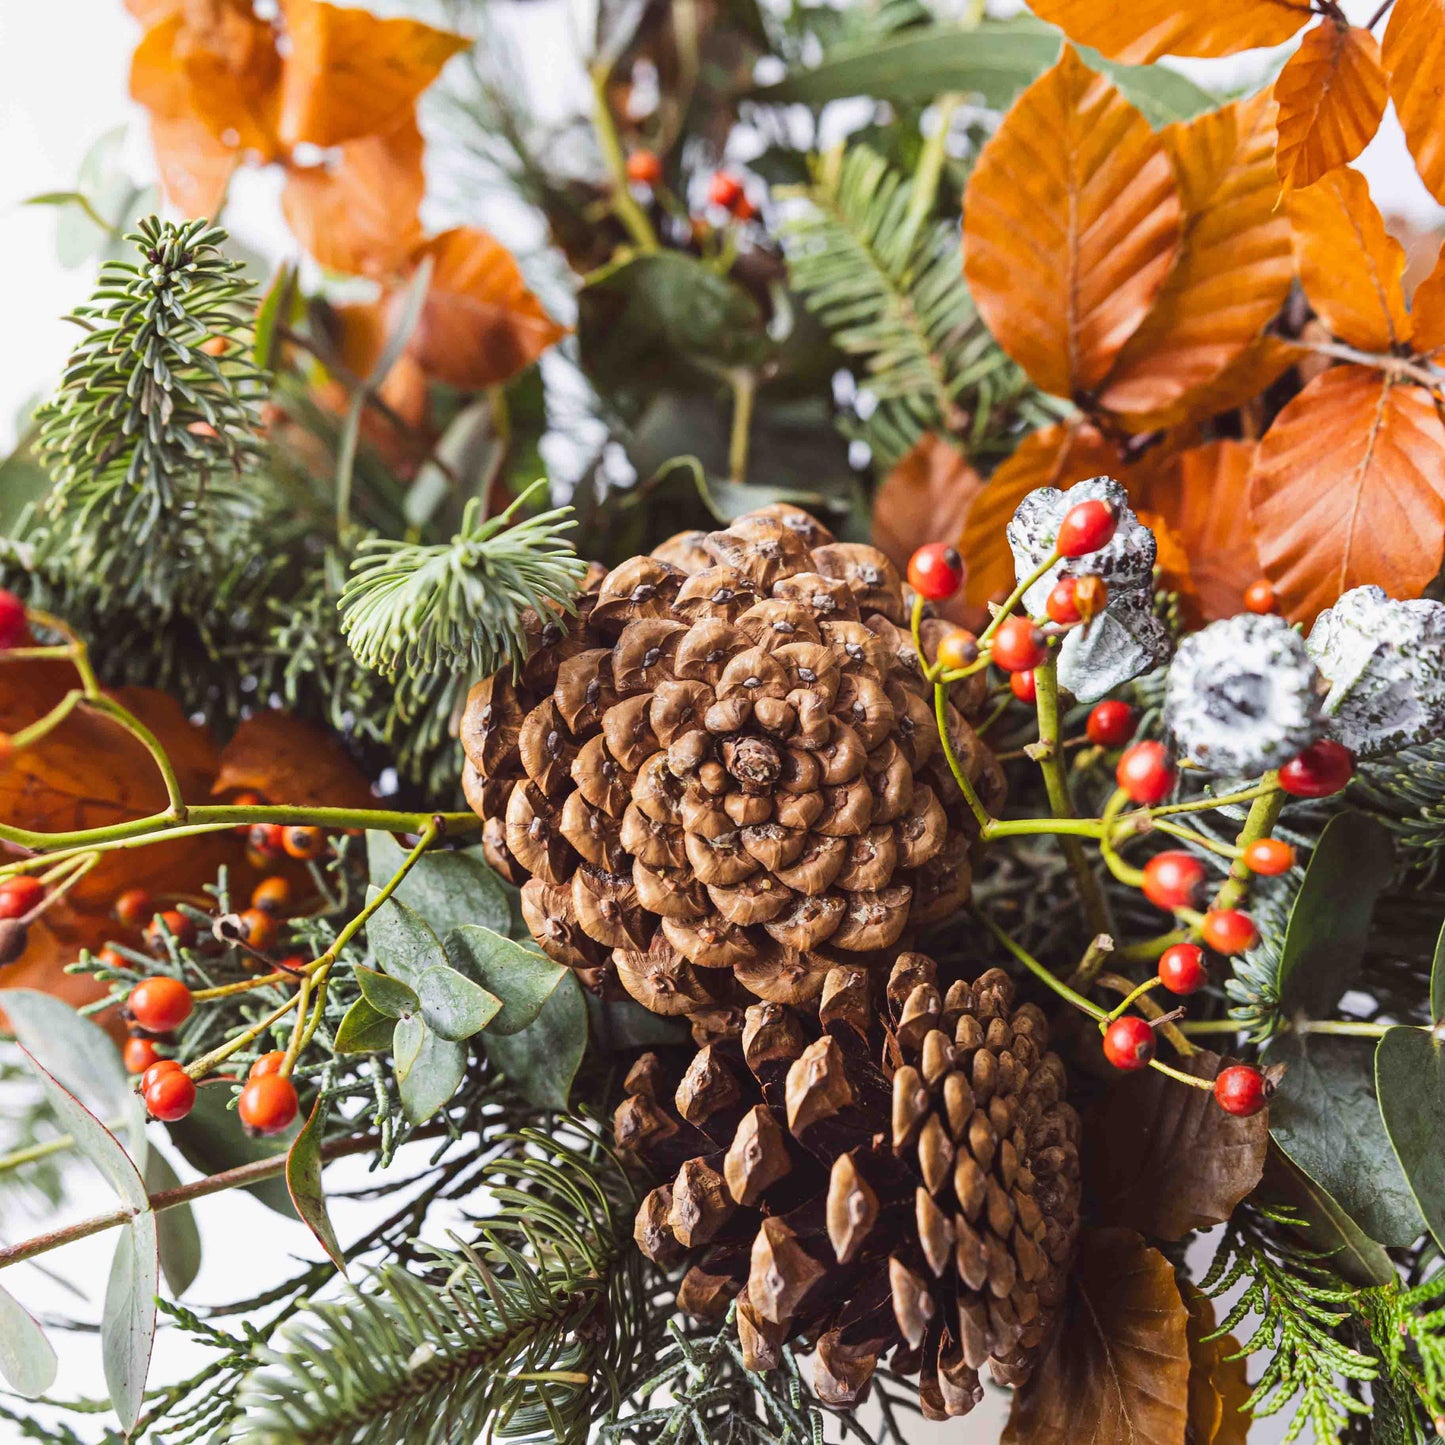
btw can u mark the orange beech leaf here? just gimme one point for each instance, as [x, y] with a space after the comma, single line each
[1054, 456]
[1414, 55]
[1349, 488]
[1427, 309]
[1219, 1388]
[233, 68]
[1331, 95]
[1258, 366]
[152, 12]
[1138, 31]
[480, 324]
[1352, 269]
[288, 760]
[195, 168]
[1203, 496]
[359, 210]
[1235, 266]
[350, 73]
[1071, 223]
[1171, 563]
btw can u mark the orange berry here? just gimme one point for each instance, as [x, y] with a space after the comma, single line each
[110, 958]
[271, 894]
[268, 1104]
[161, 1066]
[294, 963]
[1023, 686]
[266, 839]
[644, 168]
[1260, 596]
[160, 1004]
[1269, 857]
[958, 649]
[267, 1064]
[134, 907]
[1228, 931]
[258, 928]
[172, 921]
[1019, 646]
[19, 895]
[139, 1054]
[301, 841]
[171, 1096]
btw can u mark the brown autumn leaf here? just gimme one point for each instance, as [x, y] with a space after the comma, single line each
[1117, 1368]
[1352, 269]
[1218, 1378]
[1053, 456]
[1071, 222]
[480, 324]
[1172, 564]
[350, 73]
[1166, 1159]
[195, 168]
[1235, 265]
[358, 210]
[1331, 96]
[288, 760]
[1414, 56]
[1143, 30]
[1427, 309]
[1203, 496]
[1348, 488]
[230, 62]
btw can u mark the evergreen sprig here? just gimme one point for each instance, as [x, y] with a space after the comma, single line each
[460, 604]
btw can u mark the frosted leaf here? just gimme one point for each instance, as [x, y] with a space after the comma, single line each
[1384, 662]
[1123, 641]
[1244, 695]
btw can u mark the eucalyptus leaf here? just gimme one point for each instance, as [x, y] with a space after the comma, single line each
[303, 1179]
[1410, 1080]
[453, 1006]
[275, 308]
[27, 1359]
[178, 1238]
[387, 995]
[363, 1030]
[407, 1037]
[401, 941]
[128, 1322]
[447, 888]
[435, 1073]
[1437, 980]
[521, 977]
[542, 1060]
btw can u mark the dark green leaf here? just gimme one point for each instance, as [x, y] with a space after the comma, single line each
[543, 1059]
[453, 1006]
[1329, 923]
[210, 1139]
[1410, 1078]
[387, 995]
[303, 1179]
[435, 1072]
[1437, 980]
[363, 1030]
[178, 1237]
[1324, 1116]
[27, 1361]
[447, 888]
[520, 976]
[128, 1322]
[401, 941]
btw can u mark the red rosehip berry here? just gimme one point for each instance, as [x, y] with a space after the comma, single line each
[1145, 773]
[1269, 857]
[959, 649]
[267, 1104]
[1062, 605]
[19, 895]
[160, 1004]
[139, 1054]
[268, 839]
[302, 841]
[935, 571]
[1023, 685]
[1321, 769]
[725, 190]
[267, 1064]
[257, 927]
[1182, 969]
[644, 168]
[179, 925]
[1129, 1043]
[170, 1096]
[271, 895]
[1260, 596]
[154, 1072]
[1173, 880]
[1086, 527]
[1241, 1089]
[294, 962]
[1111, 723]
[134, 907]
[1228, 930]
[14, 629]
[1019, 646]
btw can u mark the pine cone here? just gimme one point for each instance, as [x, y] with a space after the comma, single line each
[861, 1187]
[723, 774]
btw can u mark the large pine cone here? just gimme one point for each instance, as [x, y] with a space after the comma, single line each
[725, 769]
[863, 1187]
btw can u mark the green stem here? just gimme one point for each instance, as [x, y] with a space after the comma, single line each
[633, 217]
[975, 803]
[1207, 804]
[924, 190]
[745, 386]
[1133, 996]
[1014, 597]
[1066, 827]
[57, 715]
[1040, 972]
[1146, 950]
[133, 725]
[1263, 814]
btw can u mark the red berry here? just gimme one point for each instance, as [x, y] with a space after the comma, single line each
[19, 895]
[1181, 968]
[267, 1064]
[294, 963]
[935, 571]
[725, 190]
[1241, 1089]
[301, 841]
[1019, 646]
[268, 839]
[161, 1066]
[1173, 880]
[172, 921]
[1023, 685]
[1145, 773]
[1086, 527]
[644, 168]
[1323, 768]
[268, 1104]
[958, 649]
[1269, 857]
[14, 630]
[1062, 605]
[1129, 1043]
[1111, 724]
[271, 894]
[1260, 596]
[170, 1096]
[1227, 930]
[134, 907]
[139, 1055]
[160, 1004]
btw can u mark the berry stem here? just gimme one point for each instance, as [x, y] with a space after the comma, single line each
[137, 729]
[633, 217]
[975, 803]
[1157, 1016]
[1264, 788]
[57, 715]
[1126, 873]
[1134, 996]
[1199, 840]
[1146, 950]
[1264, 812]
[1015, 597]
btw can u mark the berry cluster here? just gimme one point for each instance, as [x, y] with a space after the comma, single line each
[725, 191]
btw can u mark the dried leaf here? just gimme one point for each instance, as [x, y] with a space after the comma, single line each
[1351, 268]
[1349, 488]
[1166, 1159]
[287, 760]
[1054, 456]
[233, 69]
[1414, 55]
[1146, 29]
[1331, 95]
[481, 324]
[350, 74]
[1235, 266]
[358, 210]
[1427, 309]
[195, 168]
[1071, 223]
[1218, 1378]
[1117, 1368]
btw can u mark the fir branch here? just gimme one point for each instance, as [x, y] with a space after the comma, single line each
[460, 604]
[1406, 792]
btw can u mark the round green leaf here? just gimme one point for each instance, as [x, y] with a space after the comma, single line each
[446, 888]
[406, 1041]
[1410, 1079]
[453, 1006]
[436, 1071]
[387, 995]
[543, 1059]
[401, 941]
[27, 1360]
[520, 976]
[363, 1030]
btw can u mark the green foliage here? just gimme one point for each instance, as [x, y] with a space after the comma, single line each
[1407, 793]
[1407, 1329]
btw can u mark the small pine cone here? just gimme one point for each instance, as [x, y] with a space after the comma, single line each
[910, 1186]
[723, 774]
